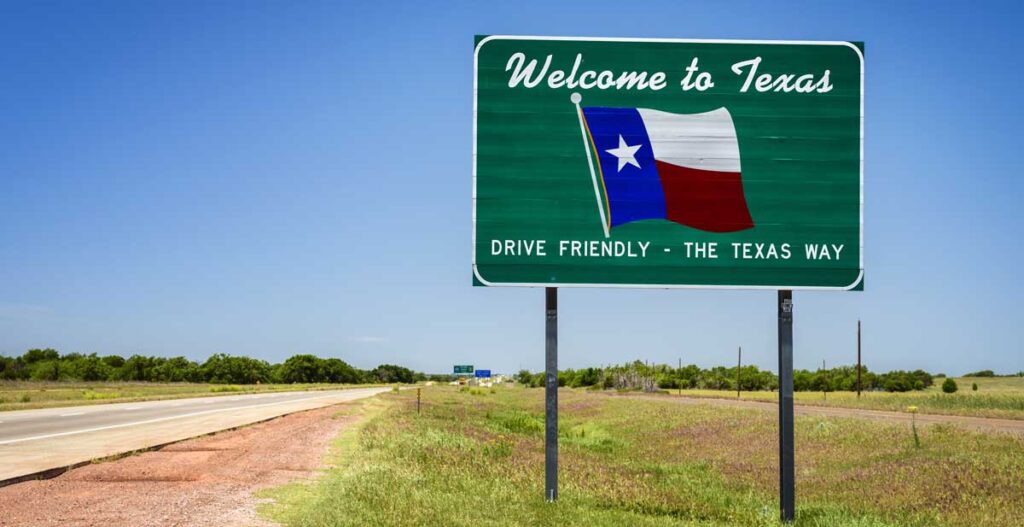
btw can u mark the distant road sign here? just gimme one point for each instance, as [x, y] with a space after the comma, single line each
[611, 162]
[483, 374]
[463, 369]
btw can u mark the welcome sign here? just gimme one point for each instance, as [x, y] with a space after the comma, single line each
[604, 162]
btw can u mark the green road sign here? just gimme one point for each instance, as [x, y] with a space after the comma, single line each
[668, 163]
[463, 369]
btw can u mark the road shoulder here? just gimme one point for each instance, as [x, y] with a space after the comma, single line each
[210, 480]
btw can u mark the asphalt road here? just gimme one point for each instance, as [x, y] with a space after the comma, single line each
[32, 441]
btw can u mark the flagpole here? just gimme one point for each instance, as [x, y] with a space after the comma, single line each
[576, 98]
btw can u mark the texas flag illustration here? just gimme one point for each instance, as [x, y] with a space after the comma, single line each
[684, 168]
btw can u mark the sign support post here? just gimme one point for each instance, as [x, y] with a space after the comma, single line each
[551, 395]
[787, 483]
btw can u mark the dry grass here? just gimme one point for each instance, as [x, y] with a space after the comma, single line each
[996, 397]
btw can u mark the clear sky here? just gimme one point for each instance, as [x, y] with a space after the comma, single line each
[185, 178]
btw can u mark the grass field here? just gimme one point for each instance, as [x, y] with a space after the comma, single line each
[26, 395]
[475, 457]
[996, 397]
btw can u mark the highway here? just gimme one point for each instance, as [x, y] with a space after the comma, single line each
[34, 441]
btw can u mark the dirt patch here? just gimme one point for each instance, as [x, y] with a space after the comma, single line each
[199, 482]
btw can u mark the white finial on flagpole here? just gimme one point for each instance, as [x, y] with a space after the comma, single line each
[576, 98]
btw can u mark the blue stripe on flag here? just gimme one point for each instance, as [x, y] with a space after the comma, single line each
[633, 193]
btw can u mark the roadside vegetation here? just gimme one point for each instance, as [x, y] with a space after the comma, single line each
[51, 365]
[475, 457]
[985, 395]
[42, 378]
[29, 395]
[639, 375]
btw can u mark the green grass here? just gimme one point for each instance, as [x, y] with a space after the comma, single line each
[477, 459]
[26, 395]
[996, 397]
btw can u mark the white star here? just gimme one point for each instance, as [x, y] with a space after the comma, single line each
[625, 153]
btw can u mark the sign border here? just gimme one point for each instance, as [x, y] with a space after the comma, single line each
[860, 55]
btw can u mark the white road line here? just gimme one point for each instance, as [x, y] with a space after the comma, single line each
[160, 419]
[131, 408]
[69, 415]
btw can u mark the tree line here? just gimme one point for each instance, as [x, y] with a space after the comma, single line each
[51, 365]
[638, 375]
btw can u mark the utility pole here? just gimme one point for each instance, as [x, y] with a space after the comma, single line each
[824, 385]
[739, 364]
[858, 358]
[679, 380]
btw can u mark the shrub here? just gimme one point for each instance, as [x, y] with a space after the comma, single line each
[949, 386]
[518, 421]
[974, 386]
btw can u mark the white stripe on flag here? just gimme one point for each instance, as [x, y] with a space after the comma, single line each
[705, 141]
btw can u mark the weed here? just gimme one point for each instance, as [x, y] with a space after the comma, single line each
[518, 421]
[225, 388]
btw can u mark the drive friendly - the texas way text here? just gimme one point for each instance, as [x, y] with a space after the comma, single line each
[689, 250]
[524, 72]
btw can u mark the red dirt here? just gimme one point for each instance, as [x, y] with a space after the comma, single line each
[207, 481]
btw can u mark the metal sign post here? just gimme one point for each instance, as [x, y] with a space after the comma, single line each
[551, 395]
[787, 483]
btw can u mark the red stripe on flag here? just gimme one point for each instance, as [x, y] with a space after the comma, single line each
[704, 199]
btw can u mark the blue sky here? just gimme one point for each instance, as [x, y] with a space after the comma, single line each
[185, 178]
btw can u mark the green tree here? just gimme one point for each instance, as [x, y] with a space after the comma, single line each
[46, 370]
[390, 373]
[114, 361]
[137, 368]
[176, 369]
[302, 368]
[339, 371]
[226, 369]
[38, 355]
[85, 368]
[949, 386]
